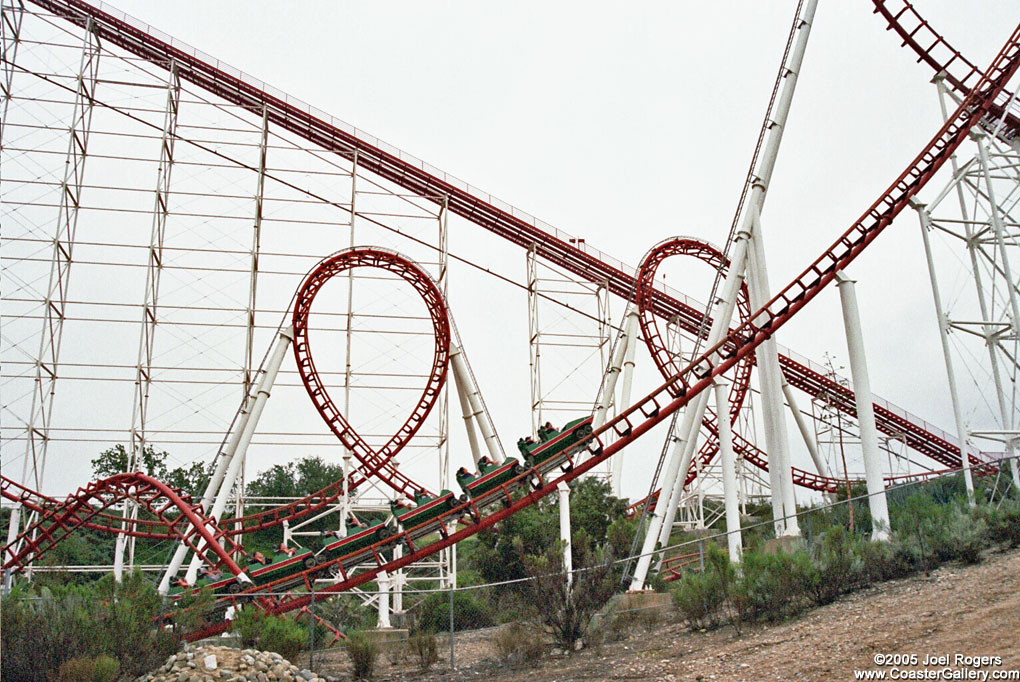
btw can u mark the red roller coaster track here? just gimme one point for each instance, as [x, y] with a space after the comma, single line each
[982, 98]
[374, 462]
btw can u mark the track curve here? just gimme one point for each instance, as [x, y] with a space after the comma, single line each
[374, 462]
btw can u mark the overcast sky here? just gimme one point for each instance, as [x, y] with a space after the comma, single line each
[626, 123]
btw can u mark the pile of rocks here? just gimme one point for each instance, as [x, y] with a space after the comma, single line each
[224, 664]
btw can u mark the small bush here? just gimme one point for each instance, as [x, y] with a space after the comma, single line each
[836, 566]
[468, 612]
[98, 669]
[965, 536]
[247, 623]
[1002, 522]
[772, 585]
[283, 636]
[362, 650]
[423, 648]
[881, 561]
[271, 633]
[518, 645]
[703, 598]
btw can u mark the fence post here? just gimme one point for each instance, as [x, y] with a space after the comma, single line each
[311, 631]
[701, 555]
[452, 664]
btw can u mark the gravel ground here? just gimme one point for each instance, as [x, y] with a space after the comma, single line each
[965, 610]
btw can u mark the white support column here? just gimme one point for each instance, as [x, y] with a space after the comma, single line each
[465, 408]
[805, 430]
[776, 438]
[625, 391]
[399, 579]
[223, 460]
[734, 540]
[606, 400]
[460, 367]
[943, 324]
[998, 229]
[665, 508]
[384, 601]
[564, 498]
[149, 321]
[54, 312]
[261, 396]
[865, 409]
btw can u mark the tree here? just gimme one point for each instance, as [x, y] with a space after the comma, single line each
[597, 519]
[568, 605]
[190, 479]
[295, 479]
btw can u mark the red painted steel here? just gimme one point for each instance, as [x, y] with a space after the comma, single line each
[182, 518]
[931, 48]
[373, 462]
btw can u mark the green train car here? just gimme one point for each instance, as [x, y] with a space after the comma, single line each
[544, 454]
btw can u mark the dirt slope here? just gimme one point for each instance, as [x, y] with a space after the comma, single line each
[968, 610]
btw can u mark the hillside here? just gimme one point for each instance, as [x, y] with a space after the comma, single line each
[969, 610]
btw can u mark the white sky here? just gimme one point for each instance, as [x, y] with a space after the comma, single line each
[626, 123]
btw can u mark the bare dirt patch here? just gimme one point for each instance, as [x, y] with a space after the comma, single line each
[969, 610]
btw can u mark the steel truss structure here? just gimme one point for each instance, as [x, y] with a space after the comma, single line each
[219, 131]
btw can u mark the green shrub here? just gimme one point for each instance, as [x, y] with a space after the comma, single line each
[772, 586]
[518, 645]
[468, 612]
[1002, 522]
[362, 650]
[881, 561]
[39, 632]
[268, 632]
[703, 598]
[965, 536]
[836, 566]
[283, 636]
[98, 669]
[423, 648]
[247, 623]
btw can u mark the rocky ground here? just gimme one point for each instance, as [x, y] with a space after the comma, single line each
[225, 664]
[966, 610]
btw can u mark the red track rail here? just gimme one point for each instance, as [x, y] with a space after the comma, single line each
[932, 49]
[373, 462]
[183, 519]
[415, 176]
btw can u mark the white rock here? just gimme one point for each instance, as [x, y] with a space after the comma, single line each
[210, 662]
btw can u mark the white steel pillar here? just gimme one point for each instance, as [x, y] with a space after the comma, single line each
[625, 391]
[465, 408]
[384, 601]
[283, 342]
[961, 429]
[734, 541]
[150, 304]
[563, 490]
[805, 431]
[54, 311]
[463, 376]
[607, 397]
[865, 409]
[253, 276]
